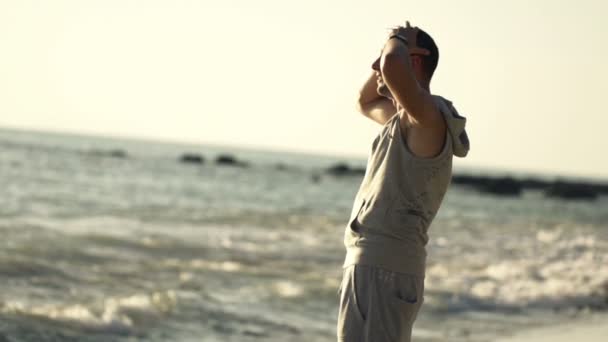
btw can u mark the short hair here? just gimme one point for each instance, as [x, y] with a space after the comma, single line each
[429, 63]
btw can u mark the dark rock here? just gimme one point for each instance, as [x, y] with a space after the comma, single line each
[561, 189]
[316, 178]
[510, 186]
[601, 188]
[533, 183]
[117, 154]
[342, 169]
[470, 180]
[339, 169]
[281, 167]
[229, 160]
[226, 159]
[111, 153]
[192, 158]
[505, 186]
[359, 170]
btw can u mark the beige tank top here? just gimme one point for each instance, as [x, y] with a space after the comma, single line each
[400, 195]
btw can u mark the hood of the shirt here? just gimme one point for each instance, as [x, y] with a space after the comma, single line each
[456, 125]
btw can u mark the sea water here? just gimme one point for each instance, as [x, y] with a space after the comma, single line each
[96, 247]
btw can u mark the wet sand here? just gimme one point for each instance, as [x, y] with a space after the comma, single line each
[593, 330]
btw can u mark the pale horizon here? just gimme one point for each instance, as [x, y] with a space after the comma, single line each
[459, 168]
[284, 77]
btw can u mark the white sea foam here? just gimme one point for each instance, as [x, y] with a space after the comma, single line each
[117, 314]
[226, 266]
[556, 270]
[287, 288]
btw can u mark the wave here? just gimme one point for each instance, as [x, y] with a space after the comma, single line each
[555, 271]
[116, 315]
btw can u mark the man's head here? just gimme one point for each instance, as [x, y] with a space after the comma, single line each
[429, 62]
[423, 65]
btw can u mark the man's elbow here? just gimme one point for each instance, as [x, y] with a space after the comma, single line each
[361, 108]
[361, 104]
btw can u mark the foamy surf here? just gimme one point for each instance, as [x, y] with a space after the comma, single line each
[147, 248]
[116, 315]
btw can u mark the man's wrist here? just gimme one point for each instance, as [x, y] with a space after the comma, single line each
[399, 38]
[394, 46]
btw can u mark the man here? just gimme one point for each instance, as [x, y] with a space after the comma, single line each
[408, 171]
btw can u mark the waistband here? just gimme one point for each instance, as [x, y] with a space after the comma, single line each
[394, 255]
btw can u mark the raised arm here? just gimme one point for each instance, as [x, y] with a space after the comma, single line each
[401, 80]
[373, 105]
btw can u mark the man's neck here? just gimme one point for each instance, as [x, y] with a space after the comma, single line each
[425, 85]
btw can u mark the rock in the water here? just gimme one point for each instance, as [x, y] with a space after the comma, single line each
[281, 167]
[508, 186]
[468, 180]
[111, 153]
[534, 183]
[229, 160]
[192, 158]
[342, 169]
[505, 186]
[358, 170]
[565, 190]
[117, 154]
[339, 169]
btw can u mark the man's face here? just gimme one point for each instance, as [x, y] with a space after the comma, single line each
[382, 89]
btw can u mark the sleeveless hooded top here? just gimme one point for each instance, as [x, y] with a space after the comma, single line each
[400, 195]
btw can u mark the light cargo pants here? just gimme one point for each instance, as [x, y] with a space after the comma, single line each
[378, 305]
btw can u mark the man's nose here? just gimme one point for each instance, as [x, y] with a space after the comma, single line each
[376, 64]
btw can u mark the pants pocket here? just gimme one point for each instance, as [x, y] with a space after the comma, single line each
[403, 298]
[408, 297]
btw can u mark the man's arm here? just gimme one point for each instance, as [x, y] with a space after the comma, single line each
[372, 104]
[417, 110]
[400, 80]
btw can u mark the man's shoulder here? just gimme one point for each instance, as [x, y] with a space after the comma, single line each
[455, 124]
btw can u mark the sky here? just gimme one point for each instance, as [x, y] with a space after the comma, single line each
[285, 75]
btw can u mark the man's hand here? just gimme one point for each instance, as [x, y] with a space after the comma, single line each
[401, 80]
[410, 33]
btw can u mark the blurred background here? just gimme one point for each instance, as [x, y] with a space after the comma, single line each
[184, 170]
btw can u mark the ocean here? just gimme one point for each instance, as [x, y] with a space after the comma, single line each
[142, 247]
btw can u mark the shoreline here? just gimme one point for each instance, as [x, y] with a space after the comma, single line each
[592, 329]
